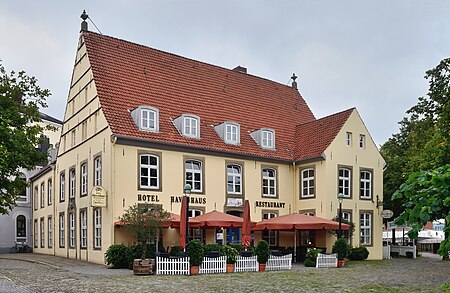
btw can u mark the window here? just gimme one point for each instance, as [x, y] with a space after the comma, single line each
[84, 179]
[194, 175]
[195, 233]
[346, 218]
[36, 240]
[42, 195]
[269, 185]
[74, 138]
[366, 228]
[50, 232]
[308, 183]
[83, 228]
[23, 191]
[42, 233]
[308, 237]
[362, 141]
[72, 183]
[61, 230]
[267, 140]
[231, 133]
[190, 127]
[148, 119]
[270, 236]
[365, 190]
[62, 187]
[97, 228]
[97, 171]
[84, 130]
[149, 171]
[36, 198]
[21, 228]
[234, 179]
[348, 138]
[49, 191]
[344, 181]
[71, 230]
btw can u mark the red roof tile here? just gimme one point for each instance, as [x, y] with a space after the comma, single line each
[128, 75]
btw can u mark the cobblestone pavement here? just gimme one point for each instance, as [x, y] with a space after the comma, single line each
[41, 273]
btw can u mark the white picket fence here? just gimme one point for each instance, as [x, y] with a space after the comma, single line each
[279, 262]
[246, 264]
[172, 266]
[326, 260]
[213, 265]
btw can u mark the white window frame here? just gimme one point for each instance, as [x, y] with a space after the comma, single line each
[97, 228]
[231, 133]
[149, 120]
[190, 127]
[271, 236]
[267, 139]
[36, 233]
[346, 216]
[62, 187]
[345, 189]
[365, 185]
[362, 141]
[365, 228]
[308, 183]
[42, 194]
[83, 229]
[50, 232]
[234, 179]
[62, 230]
[23, 196]
[71, 230]
[149, 167]
[266, 183]
[98, 171]
[36, 198]
[196, 182]
[348, 138]
[74, 137]
[72, 180]
[21, 238]
[42, 221]
[49, 191]
[84, 179]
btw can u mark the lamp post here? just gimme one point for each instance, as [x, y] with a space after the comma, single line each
[187, 192]
[340, 198]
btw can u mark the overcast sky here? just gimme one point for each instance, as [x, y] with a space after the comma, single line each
[371, 55]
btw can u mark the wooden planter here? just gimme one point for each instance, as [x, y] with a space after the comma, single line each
[262, 267]
[230, 268]
[143, 266]
[195, 270]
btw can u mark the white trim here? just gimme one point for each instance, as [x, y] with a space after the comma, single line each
[365, 185]
[342, 188]
[193, 172]
[306, 183]
[234, 178]
[271, 190]
[149, 167]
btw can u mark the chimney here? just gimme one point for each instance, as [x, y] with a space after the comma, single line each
[84, 25]
[294, 83]
[240, 69]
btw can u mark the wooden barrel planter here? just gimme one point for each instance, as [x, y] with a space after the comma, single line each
[144, 266]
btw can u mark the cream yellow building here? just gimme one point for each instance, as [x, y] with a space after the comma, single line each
[141, 123]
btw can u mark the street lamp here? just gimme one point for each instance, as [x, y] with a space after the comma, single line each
[187, 192]
[340, 198]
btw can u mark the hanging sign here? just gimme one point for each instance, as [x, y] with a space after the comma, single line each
[387, 214]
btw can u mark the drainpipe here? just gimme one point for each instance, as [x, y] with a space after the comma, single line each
[294, 193]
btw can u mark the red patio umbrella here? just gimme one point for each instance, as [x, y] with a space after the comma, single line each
[246, 238]
[183, 223]
[298, 222]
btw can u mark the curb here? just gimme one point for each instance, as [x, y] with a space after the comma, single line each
[31, 261]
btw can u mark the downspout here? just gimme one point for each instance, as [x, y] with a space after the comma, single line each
[112, 189]
[294, 193]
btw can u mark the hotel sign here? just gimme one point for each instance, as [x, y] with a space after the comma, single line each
[98, 196]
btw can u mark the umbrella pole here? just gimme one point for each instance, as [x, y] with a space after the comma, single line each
[295, 245]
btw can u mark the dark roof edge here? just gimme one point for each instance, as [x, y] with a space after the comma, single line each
[49, 118]
[311, 160]
[41, 172]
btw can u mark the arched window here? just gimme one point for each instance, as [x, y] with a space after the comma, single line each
[344, 181]
[269, 185]
[194, 175]
[234, 179]
[21, 227]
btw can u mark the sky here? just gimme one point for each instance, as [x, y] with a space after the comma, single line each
[370, 54]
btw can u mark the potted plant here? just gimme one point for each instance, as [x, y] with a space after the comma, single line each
[144, 222]
[311, 256]
[341, 248]
[194, 250]
[231, 254]
[262, 254]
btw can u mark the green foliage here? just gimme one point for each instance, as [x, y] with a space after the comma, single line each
[426, 197]
[445, 286]
[349, 232]
[358, 253]
[212, 247]
[175, 251]
[117, 255]
[262, 251]
[231, 253]
[143, 222]
[194, 251]
[310, 262]
[313, 253]
[341, 248]
[20, 99]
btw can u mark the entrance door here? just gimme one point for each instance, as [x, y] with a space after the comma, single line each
[234, 234]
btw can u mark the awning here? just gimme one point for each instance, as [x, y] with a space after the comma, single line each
[298, 222]
[217, 219]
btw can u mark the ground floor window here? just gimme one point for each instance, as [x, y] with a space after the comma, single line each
[97, 228]
[270, 236]
[83, 228]
[42, 233]
[50, 232]
[307, 237]
[21, 228]
[36, 240]
[366, 228]
[72, 230]
[61, 230]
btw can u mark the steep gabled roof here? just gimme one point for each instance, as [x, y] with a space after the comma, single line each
[314, 137]
[128, 75]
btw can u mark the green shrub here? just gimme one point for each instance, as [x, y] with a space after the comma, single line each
[194, 251]
[313, 253]
[231, 253]
[262, 251]
[310, 262]
[117, 256]
[212, 247]
[175, 251]
[238, 247]
[358, 253]
[341, 248]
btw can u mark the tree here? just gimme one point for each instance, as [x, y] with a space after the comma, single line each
[20, 99]
[144, 222]
[426, 197]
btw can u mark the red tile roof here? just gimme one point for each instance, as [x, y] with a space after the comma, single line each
[315, 136]
[128, 75]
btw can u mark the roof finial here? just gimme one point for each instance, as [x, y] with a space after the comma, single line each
[84, 25]
[294, 83]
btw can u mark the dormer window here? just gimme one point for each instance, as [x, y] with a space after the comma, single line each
[188, 125]
[146, 118]
[229, 132]
[265, 138]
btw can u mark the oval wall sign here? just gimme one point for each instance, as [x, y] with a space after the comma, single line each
[387, 214]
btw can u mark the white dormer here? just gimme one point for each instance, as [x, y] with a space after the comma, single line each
[146, 118]
[265, 138]
[188, 125]
[230, 132]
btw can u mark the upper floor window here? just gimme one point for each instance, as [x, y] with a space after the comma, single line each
[231, 133]
[362, 141]
[194, 175]
[23, 191]
[72, 183]
[62, 187]
[234, 179]
[42, 195]
[83, 130]
[98, 171]
[365, 190]
[345, 181]
[308, 183]
[146, 118]
[49, 191]
[74, 138]
[36, 198]
[366, 228]
[269, 182]
[149, 171]
[190, 127]
[267, 140]
[348, 138]
[83, 179]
